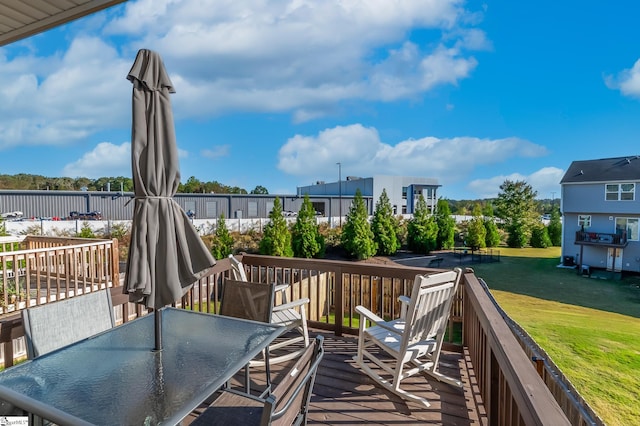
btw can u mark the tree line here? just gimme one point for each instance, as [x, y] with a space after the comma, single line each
[515, 221]
[23, 181]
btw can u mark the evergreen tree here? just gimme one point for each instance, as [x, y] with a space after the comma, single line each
[86, 231]
[357, 238]
[222, 245]
[446, 225]
[555, 228]
[276, 238]
[306, 239]
[492, 238]
[540, 237]
[384, 226]
[476, 232]
[422, 230]
[516, 206]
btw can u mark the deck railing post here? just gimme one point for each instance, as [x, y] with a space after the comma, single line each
[339, 303]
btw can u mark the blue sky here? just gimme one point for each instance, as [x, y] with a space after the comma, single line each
[275, 93]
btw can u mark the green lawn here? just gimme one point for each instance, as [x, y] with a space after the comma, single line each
[590, 327]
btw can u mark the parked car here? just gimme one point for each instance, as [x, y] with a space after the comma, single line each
[85, 216]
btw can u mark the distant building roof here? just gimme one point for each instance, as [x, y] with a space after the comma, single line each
[604, 170]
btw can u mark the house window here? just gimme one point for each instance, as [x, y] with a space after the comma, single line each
[620, 191]
[584, 220]
[404, 192]
[628, 224]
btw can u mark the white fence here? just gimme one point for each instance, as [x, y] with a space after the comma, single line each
[204, 226]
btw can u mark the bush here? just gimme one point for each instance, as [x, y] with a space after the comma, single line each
[422, 230]
[306, 240]
[357, 237]
[276, 238]
[222, 242]
[540, 237]
[384, 227]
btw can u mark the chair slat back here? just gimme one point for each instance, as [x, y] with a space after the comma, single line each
[53, 325]
[247, 300]
[428, 312]
[293, 393]
[237, 269]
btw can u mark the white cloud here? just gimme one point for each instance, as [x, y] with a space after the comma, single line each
[361, 152]
[86, 92]
[216, 152]
[301, 56]
[545, 182]
[627, 81]
[106, 159]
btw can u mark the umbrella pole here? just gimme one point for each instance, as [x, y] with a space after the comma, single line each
[158, 328]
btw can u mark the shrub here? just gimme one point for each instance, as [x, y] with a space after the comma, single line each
[357, 237]
[384, 227]
[540, 237]
[276, 238]
[222, 242]
[306, 239]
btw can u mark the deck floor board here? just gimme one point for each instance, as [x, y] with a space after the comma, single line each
[343, 395]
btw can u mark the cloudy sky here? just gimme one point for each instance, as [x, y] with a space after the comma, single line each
[276, 93]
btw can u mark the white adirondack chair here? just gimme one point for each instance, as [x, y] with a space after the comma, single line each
[291, 315]
[411, 343]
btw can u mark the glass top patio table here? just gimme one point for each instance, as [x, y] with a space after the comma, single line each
[115, 378]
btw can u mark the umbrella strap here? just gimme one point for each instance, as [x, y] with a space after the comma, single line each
[144, 197]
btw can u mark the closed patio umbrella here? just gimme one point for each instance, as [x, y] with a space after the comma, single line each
[166, 255]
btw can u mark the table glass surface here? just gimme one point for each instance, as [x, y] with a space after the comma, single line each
[116, 378]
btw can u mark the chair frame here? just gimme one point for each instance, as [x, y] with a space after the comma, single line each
[291, 315]
[414, 339]
[294, 390]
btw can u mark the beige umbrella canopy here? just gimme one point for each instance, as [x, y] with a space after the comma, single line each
[166, 255]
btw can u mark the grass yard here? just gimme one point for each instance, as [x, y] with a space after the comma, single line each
[590, 327]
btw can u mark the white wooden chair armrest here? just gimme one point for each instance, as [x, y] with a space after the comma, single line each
[291, 305]
[404, 305]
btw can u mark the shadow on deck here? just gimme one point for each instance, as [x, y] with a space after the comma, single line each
[343, 395]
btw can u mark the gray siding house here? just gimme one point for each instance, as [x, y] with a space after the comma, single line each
[601, 213]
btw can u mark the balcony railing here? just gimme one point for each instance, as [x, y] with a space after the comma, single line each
[512, 390]
[601, 239]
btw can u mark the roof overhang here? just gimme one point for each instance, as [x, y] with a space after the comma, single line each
[23, 18]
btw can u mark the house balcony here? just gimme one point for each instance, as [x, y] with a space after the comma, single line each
[601, 239]
[506, 378]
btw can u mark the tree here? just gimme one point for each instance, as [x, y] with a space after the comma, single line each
[422, 230]
[86, 231]
[540, 236]
[384, 226]
[446, 225]
[306, 240]
[476, 232]
[222, 244]
[276, 238]
[492, 236]
[357, 238]
[517, 208]
[555, 227]
[259, 190]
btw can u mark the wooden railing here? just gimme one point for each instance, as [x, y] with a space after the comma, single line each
[510, 387]
[601, 238]
[46, 268]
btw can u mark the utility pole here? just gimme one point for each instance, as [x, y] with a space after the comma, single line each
[340, 192]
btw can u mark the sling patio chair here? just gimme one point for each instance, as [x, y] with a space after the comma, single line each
[287, 404]
[53, 325]
[291, 315]
[250, 301]
[411, 344]
[57, 324]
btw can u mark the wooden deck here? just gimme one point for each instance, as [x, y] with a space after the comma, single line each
[343, 395]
